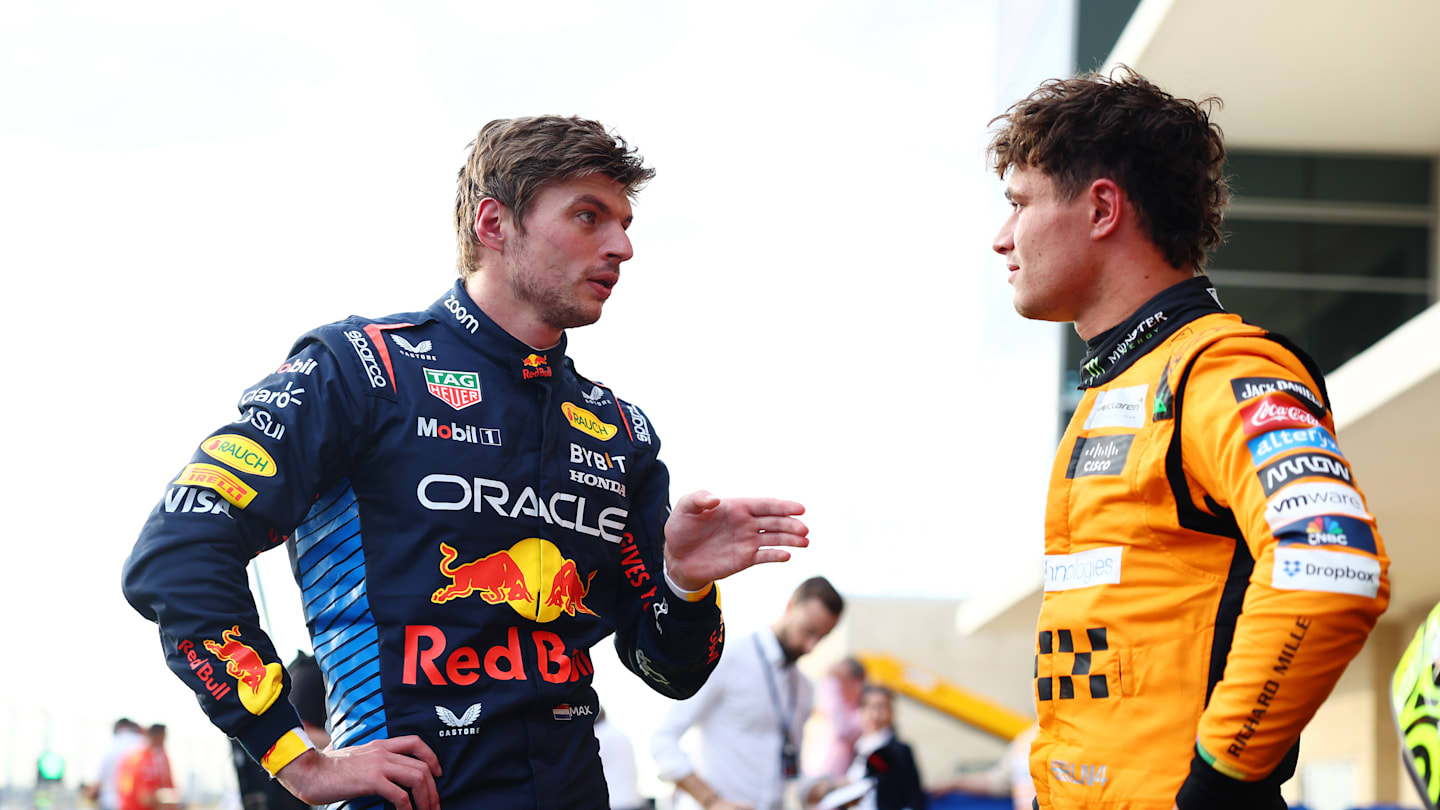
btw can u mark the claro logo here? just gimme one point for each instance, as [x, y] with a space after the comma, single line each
[367, 357]
[450, 493]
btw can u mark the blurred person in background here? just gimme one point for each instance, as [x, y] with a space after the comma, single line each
[880, 756]
[837, 700]
[1203, 524]
[126, 739]
[466, 515]
[751, 713]
[617, 757]
[144, 775]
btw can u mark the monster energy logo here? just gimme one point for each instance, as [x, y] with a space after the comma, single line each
[1092, 368]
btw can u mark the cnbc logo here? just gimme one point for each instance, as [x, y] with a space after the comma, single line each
[1325, 532]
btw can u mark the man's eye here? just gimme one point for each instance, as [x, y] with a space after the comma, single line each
[588, 217]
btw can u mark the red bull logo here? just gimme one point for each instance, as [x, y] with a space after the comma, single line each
[517, 576]
[567, 592]
[430, 659]
[496, 577]
[535, 365]
[259, 683]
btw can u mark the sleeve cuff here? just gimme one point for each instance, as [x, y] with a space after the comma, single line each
[1207, 787]
[688, 596]
[264, 732]
[286, 749]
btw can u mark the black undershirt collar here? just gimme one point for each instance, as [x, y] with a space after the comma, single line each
[1116, 349]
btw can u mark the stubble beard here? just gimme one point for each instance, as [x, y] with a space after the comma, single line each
[555, 306]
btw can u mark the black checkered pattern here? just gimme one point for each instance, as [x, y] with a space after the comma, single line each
[1063, 686]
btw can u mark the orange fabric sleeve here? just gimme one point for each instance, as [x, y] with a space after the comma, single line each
[1258, 439]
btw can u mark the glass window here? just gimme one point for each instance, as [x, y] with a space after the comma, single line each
[1392, 180]
[1394, 251]
[1330, 326]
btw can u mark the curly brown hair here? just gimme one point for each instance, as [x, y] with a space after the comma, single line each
[513, 158]
[1163, 151]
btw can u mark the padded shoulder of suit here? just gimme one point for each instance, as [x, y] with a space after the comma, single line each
[1234, 340]
[358, 344]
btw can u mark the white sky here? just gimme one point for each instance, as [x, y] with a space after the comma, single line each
[812, 312]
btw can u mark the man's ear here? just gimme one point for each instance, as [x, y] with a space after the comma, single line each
[1107, 203]
[489, 224]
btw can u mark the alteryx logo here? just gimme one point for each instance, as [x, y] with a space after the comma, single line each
[1265, 447]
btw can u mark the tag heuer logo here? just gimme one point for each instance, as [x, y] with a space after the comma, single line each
[458, 389]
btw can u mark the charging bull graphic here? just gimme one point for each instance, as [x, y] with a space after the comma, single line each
[495, 577]
[506, 577]
[259, 683]
[567, 592]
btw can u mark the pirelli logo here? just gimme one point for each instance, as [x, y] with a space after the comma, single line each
[1057, 647]
[219, 479]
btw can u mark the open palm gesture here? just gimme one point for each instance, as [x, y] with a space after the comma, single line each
[709, 538]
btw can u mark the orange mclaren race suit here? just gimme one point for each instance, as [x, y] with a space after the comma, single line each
[1210, 566]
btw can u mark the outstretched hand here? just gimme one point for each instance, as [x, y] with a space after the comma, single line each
[393, 769]
[709, 538]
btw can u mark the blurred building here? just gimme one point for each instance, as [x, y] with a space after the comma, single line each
[1333, 137]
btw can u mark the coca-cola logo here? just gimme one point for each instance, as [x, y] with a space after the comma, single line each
[1276, 411]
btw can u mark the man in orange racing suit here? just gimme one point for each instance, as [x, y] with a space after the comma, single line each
[1210, 563]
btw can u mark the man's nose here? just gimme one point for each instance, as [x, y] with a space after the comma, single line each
[618, 247]
[1005, 239]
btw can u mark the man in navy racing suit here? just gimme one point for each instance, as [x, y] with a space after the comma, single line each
[465, 515]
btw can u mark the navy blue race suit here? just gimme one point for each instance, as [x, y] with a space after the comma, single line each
[466, 516]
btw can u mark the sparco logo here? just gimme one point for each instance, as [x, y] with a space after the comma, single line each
[639, 423]
[462, 314]
[367, 357]
[1305, 465]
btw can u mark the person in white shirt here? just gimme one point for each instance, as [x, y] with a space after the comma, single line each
[750, 712]
[106, 789]
[617, 759]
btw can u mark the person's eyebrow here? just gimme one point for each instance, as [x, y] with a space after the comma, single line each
[591, 199]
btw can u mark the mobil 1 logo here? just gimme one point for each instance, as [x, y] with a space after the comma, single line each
[1099, 455]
